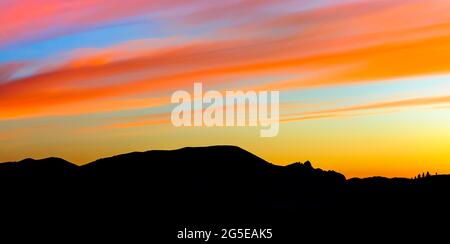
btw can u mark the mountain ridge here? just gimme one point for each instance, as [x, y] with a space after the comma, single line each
[219, 184]
[31, 163]
[148, 153]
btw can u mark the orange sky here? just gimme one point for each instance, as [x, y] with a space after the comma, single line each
[98, 75]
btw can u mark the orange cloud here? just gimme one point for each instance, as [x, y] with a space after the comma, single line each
[342, 44]
[343, 111]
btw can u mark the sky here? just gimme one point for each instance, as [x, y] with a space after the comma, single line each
[364, 85]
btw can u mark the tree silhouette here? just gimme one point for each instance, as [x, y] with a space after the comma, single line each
[428, 174]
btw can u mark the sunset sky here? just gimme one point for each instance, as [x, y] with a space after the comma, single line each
[364, 85]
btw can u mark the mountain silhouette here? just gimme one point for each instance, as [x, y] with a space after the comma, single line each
[218, 176]
[216, 183]
[44, 168]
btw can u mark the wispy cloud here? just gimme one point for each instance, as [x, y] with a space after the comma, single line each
[324, 45]
[348, 111]
[35, 20]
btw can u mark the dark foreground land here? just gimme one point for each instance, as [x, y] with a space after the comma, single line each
[149, 195]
